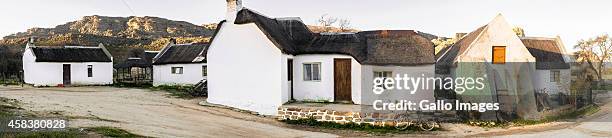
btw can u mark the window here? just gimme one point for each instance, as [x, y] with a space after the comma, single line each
[555, 76]
[499, 54]
[204, 71]
[312, 71]
[383, 74]
[177, 70]
[89, 70]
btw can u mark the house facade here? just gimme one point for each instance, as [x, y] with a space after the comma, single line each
[180, 64]
[67, 65]
[515, 69]
[553, 74]
[258, 63]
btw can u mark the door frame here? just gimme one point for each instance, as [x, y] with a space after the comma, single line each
[349, 95]
[66, 74]
[290, 78]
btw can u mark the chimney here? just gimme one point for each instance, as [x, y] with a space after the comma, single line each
[233, 6]
[30, 42]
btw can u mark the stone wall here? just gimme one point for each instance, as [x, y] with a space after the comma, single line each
[379, 119]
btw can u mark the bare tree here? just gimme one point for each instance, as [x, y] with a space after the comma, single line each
[596, 51]
[327, 21]
[344, 25]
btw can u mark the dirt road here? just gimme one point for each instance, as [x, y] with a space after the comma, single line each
[148, 113]
[598, 125]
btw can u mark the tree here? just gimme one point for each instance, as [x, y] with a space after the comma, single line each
[519, 31]
[344, 25]
[596, 52]
[441, 43]
[327, 22]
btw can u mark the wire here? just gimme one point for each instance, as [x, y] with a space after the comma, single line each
[128, 6]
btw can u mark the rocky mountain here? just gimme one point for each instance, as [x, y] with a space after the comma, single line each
[119, 34]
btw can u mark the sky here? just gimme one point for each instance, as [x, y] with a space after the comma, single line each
[572, 20]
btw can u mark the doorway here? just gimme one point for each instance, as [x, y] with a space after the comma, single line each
[342, 80]
[66, 74]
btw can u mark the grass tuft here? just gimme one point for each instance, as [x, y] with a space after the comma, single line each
[113, 132]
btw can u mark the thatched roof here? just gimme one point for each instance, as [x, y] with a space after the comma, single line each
[143, 62]
[448, 55]
[182, 53]
[382, 47]
[70, 54]
[547, 52]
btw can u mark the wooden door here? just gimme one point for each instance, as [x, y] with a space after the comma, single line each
[342, 80]
[66, 75]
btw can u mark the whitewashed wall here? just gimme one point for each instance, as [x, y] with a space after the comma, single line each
[246, 70]
[392, 95]
[192, 74]
[323, 90]
[542, 81]
[51, 74]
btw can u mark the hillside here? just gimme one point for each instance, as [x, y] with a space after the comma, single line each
[118, 33]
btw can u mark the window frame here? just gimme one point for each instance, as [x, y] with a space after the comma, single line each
[384, 75]
[311, 76]
[89, 71]
[493, 55]
[173, 71]
[555, 76]
[204, 70]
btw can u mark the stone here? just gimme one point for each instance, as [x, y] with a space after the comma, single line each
[348, 119]
[293, 109]
[339, 118]
[375, 115]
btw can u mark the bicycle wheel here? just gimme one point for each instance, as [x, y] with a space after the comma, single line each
[428, 126]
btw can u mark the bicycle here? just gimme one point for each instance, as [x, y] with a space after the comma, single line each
[404, 122]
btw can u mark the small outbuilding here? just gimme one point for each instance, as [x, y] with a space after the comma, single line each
[180, 64]
[67, 65]
[136, 68]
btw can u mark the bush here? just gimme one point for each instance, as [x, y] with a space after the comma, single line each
[180, 91]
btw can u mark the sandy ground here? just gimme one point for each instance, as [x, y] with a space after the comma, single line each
[148, 113]
[598, 125]
[153, 113]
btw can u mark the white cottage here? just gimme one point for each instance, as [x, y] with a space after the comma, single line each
[514, 68]
[258, 63]
[180, 64]
[67, 65]
[553, 75]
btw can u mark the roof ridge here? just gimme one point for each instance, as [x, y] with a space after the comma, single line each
[538, 38]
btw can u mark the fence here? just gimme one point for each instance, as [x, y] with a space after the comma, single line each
[11, 78]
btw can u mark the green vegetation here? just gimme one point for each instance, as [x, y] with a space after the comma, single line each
[10, 109]
[131, 85]
[311, 122]
[70, 133]
[113, 132]
[604, 87]
[571, 115]
[179, 91]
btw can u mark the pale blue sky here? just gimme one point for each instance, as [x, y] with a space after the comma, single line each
[571, 19]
